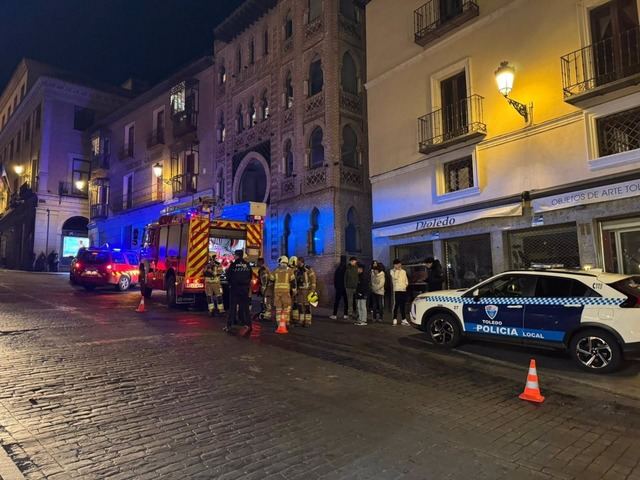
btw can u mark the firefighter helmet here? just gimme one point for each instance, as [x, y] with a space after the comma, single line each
[283, 260]
[313, 298]
[293, 261]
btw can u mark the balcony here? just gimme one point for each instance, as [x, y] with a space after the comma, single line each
[602, 67]
[155, 138]
[68, 189]
[98, 211]
[437, 18]
[127, 151]
[452, 124]
[100, 161]
[315, 179]
[314, 106]
[184, 122]
[184, 184]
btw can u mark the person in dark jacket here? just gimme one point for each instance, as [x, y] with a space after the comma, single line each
[239, 277]
[52, 260]
[340, 290]
[362, 294]
[350, 285]
[435, 274]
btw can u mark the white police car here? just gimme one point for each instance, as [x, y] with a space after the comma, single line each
[595, 315]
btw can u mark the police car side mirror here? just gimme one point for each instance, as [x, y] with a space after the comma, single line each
[476, 295]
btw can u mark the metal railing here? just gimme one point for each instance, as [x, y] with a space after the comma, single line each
[99, 210]
[451, 124]
[435, 18]
[155, 138]
[601, 63]
[184, 122]
[68, 189]
[100, 161]
[184, 183]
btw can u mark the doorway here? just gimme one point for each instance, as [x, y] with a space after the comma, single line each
[621, 246]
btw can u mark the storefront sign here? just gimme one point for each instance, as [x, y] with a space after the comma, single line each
[605, 193]
[430, 223]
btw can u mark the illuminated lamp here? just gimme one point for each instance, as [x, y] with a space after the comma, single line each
[19, 169]
[505, 75]
[157, 170]
[80, 184]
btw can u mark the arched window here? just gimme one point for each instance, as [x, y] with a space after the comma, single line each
[313, 242]
[352, 232]
[348, 9]
[286, 236]
[252, 51]
[288, 26]
[222, 129]
[288, 87]
[317, 149]
[349, 74]
[316, 77]
[349, 150]
[315, 9]
[222, 75]
[238, 60]
[264, 106]
[288, 159]
[220, 184]
[253, 115]
[265, 42]
[239, 119]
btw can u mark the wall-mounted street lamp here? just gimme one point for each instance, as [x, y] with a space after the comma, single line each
[19, 169]
[80, 184]
[504, 77]
[157, 172]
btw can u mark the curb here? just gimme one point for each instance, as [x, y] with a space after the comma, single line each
[8, 469]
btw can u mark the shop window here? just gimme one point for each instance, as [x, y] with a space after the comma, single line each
[288, 87]
[317, 149]
[458, 175]
[316, 77]
[412, 257]
[349, 75]
[621, 246]
[619, 132]
[288, 159]
[315, 9]
[349, 151]
[467, 261]
[288, 26]
[352, 232]
[556, 245]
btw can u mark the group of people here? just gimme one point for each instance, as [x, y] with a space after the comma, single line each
[44, 263]
[362, 293]
[290, 288]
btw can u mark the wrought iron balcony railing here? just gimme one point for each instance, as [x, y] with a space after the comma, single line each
[155, 138]
[184, 184]
[436, 18]
[601, 67]
[455, 123]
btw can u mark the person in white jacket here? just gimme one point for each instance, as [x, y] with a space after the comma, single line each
[400, 284]
[377, 292]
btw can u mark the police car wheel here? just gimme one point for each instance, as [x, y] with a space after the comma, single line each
[596, 351]
[124, 283]
[444, 330]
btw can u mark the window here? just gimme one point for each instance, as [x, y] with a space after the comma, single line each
[352, 232]
[252, 51]
[38, 114]
[468, 260]
[80, 172]
[619, 132]
[264, 105]
[253, 115]
[27, 130]
[288, 87]
[286, 236]
[316, 77]
[288, 26]
[558, 287]
[239, 119]
[288, 159]
[222, 130]
[348, 9]
[238, 60]
[82, 118]
[313, 243]
[127, 191]
[129, 139]
[317, 149]
[453, 94]
[222, 75]
[458, 175]
[265, 42]
[349, 152]
[23, 91]
[315, 9]
[511, 286]
[158, 123]
[349, 75]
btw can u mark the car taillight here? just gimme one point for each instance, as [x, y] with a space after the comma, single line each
[78, 265]
[109, 267]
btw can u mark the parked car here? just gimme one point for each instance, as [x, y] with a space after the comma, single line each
[101, 267]
[595, 315]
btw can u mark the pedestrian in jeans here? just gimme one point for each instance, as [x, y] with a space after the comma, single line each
[340, 290]
[377, 292]
[400, 284]
[362, 293]
[350, 285]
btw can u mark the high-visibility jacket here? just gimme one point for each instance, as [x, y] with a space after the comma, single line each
[306, 278]
[283, 279]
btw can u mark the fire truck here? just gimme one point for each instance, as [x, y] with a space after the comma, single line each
[176, 249]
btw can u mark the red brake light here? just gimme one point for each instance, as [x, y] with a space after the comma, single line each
[109, 267]
[78, 265]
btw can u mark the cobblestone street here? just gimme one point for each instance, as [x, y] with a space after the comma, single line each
[92, 390]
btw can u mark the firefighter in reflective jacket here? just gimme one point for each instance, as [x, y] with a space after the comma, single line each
[266, 289]
[295, 313]
[306, 283]
[213, 285]
[284, 282]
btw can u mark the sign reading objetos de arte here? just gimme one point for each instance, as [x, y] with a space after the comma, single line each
[605, 193]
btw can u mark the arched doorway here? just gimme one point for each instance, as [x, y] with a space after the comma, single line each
[251, 182]
[75, 235]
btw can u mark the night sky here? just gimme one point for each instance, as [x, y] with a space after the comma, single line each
[109, 40]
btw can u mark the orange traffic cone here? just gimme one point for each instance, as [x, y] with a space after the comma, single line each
[532, 390]
[282, 326]
[140, 308]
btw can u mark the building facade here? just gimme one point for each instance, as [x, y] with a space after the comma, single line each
[45, 161]
[291, 130]
[154, 153]
[490, 165]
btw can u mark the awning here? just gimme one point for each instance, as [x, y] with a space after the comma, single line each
[437, 223]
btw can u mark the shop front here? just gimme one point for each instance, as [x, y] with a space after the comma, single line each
[621, 245]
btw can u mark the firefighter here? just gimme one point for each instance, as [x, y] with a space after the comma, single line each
[266, 289]
[284, 282]
[306, 282]
[295, 313]
[213, 285]
[239, 277]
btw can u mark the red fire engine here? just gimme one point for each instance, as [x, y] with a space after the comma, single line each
[176, 250]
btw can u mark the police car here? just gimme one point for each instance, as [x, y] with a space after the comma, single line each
[593, 314]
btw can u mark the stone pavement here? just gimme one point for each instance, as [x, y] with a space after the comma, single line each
[91, 390]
